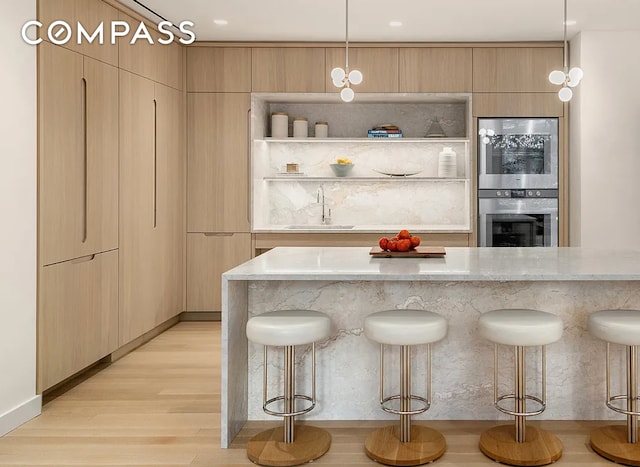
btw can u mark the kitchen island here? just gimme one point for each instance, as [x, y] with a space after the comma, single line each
[348, 284]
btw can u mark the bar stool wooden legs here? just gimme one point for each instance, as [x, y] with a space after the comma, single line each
[288, 445]
[404, 443]
[619, 443]
[519, 444]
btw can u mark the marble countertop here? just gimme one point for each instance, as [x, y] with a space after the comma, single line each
[459, 264]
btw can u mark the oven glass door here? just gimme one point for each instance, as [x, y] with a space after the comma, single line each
[518, 223]
[518, 153]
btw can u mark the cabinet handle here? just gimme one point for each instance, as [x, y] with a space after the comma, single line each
[249, 190]
[218, 234]
[83, 259]
[155, 162]
[85, 175]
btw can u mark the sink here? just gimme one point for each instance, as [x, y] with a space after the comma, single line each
[319, 227]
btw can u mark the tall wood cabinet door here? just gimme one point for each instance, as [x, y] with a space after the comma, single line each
[218, 69]
[294, 69]
[517, 104]
[435, 69]
[78, 159]
[515, 69]
[379, 66]
[218, 162]
[208, 256]
[89, 13]
[140, 278]
[170, 194]
[78, 315]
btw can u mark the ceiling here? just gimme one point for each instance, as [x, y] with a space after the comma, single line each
[422, 20]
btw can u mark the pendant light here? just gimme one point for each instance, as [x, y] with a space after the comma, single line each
[343, 78]
[568, 78]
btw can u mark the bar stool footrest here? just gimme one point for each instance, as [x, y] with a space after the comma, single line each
[425, 405]
[383, 445]
[292, 414]
[621, 397]
[520, 414]
[611, 443]
[268, 447]
[539, 448]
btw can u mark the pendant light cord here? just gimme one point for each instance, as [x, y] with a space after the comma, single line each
[347, 35]
[566, 62]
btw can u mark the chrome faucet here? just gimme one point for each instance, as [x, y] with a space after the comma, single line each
[320, 199]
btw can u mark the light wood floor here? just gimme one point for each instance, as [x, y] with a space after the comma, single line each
[160, 406]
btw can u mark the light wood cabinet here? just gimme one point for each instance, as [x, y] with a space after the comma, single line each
[511, 104]
[151, 214]
[78, 155]
[435, 69]
[218, 69]
[158, 62]
[294, 69]
[208, 256]
[379, 66]
[88, 13]
[515, 69]
[78, 316]
[218, 162]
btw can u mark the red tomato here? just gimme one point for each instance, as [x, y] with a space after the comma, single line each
[392, 245]
[394, 239]
[383, 243]
[404, 234]
[415, 241]
[404, 244]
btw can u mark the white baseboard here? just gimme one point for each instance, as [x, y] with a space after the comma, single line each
[23, 413]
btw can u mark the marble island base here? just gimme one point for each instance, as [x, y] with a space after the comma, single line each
[347, 362]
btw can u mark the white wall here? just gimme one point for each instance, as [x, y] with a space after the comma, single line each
[605, 141]
[18, 400]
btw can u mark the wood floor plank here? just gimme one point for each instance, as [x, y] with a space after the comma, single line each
[159, 406]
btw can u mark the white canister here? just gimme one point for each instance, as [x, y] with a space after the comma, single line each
[322, 130]
[300, 127]
[447, 163]
[279, 125]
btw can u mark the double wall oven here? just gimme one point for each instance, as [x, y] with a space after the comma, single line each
[518, 182]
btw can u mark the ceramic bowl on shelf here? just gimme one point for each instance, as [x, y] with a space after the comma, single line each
[341, 170]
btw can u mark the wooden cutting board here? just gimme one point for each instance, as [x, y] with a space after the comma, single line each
[419, 252]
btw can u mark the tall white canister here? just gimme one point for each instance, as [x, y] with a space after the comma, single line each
[447, 163]
[279, 125]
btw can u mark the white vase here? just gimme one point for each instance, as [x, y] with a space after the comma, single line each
[447, 163]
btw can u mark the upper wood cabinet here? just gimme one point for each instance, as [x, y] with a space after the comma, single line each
[78, 155]
[158, 62]
[378, 65]
[88, 13]
[294, 69]
[151, 214]
[517, 104]
[435, 69]
[515, 69]
[77, 315]
[218, 162]
[218, 69]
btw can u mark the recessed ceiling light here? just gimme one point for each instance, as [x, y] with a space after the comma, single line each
[221, 22]
[570, 22]
[395, 24]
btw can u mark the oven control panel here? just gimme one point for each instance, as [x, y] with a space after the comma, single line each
[518, 193]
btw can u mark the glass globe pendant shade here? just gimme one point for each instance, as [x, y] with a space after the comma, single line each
[575, 76]
[338, 84]
[482, 131]
[338, 75]
[557, 77]
[347, 94]
[565, 94]
[355, 77]
[485, 140]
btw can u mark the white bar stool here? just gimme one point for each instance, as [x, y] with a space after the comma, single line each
[293, 445]
[521, 329]
[405, 444]
[617, 442]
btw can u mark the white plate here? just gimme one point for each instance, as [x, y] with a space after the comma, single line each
[398, 173]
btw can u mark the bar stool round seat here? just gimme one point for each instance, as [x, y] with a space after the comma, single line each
[619, 443]
[291, 444]
[404, 443]
[520, 445]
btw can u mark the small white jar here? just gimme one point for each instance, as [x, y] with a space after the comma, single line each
[447, 163]
[279, 125]
[322, 130]
[300, 127]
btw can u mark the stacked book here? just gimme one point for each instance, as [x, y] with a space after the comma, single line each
[385, 131]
